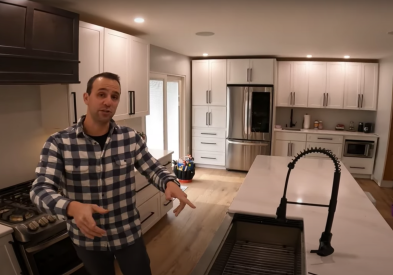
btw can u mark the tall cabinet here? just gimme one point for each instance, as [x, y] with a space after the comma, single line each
[209, 111]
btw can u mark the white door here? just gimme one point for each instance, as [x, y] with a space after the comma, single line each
[284, 83]
[300, 84]
[91, 39]
[200, 116]
[200, 82]
[352, 75]
[138, 75]
[237, 71]
[218, 82]
[217, 116]
[335, 85]
[261, 71]
[281, 148]
[316, 84]
[297, 147]
[369, 86]
[336, 149]
[115, 61]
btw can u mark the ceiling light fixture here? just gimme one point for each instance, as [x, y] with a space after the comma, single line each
[205, 33]
[346, 56]
[309, 56]
[205, 54]
[139, 20]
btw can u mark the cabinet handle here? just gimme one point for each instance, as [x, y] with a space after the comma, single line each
[213, 134]
[326, 138]
[327, 99]
[207, 119]
[142, 188]
[354, 167]
[324, 99]
[207, 100]
[208, 143]
[207, 158]
[210, 96]
[294, 98]
[165, 204]
[251, 75]
[210, 118]
[358, 100]
[75, 112]
[131, 94]
[248, 72]
[362, 101]
[291, 100]
[289, 149]
[151, 214]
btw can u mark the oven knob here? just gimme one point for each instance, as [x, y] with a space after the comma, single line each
[51, 219]
[32, 226]
[43, 222]
[35, 224]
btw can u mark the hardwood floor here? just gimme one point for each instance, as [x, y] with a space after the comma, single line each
[175, 244]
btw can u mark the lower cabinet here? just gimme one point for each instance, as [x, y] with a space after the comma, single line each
[149, 212]
[9, 263]
[208, 146]
[288, 148]
[336, 149]
[359, 165]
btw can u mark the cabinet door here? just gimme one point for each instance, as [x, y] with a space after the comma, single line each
[336, 149]
[281, 148]
[369, 86]
[138, 75]
[200, 116]
[9, 263]
[261, 71]
[237, 71]
[317, 84]
[115, 61]
[217, 117]
[335, 85]
[218, 82]
[297, 147]
[300, 84]
[91, 39]
[200, 82]
[352, 90]
[284, 83]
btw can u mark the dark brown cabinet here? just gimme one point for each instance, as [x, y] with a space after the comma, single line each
[38, 43]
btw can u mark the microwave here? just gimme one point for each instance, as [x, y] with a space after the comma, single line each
[359, 148]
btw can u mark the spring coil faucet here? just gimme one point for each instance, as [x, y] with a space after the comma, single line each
[325, 248]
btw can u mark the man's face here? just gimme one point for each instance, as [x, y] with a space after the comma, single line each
[103, 99]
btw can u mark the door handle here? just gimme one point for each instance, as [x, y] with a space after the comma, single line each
[248, 73]
[289, 149]
[207, 158]
[327, 99]
[131, 94]
[362, 101]
[151, 214]
[355, 167]
[75, 112]
[326, 138]
[208, 143]
[207, 92]
[324, 99]
[251, 75]
[210, 96]
[294, 98]
[358, 100]
[213, 134]
[290, 103]
[207, 119]
[210, 118]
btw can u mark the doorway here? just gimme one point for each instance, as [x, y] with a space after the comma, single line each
[163, 125]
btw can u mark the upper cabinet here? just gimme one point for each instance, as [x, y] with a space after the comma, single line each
[209, 82]
[38, 43]
[250, 71]
[336, 85]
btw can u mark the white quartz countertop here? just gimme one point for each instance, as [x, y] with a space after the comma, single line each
[159, 154]
[329, 132]
[362, 239]
[5, 230]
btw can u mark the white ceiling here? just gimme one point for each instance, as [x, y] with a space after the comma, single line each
[282, 28]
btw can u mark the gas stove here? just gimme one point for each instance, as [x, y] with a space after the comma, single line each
[18, 212]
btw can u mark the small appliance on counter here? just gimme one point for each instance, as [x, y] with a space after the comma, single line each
[306, 123]
[340, 127]
[360, 127]
[368, 127]
[351, 126]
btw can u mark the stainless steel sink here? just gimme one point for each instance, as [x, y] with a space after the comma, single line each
[251, 245]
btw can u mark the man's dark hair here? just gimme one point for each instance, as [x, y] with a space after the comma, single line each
[104, 75]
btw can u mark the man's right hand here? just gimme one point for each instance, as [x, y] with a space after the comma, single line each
[83, 216]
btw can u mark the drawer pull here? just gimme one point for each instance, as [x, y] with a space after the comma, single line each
[213, 134]
[208, 143]
[151, 214]
[165, 204]
[142, 188]
[326, 138]
[354, 167]
[207, 158]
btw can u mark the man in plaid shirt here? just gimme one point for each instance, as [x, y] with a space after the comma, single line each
[93, 163]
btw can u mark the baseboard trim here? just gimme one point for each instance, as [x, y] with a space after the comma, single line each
[209, 166]
[386, 183]
[361, 176]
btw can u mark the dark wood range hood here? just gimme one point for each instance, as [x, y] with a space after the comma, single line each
[38, 44]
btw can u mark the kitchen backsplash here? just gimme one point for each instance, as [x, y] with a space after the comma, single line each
[135, 123]
[330, 117]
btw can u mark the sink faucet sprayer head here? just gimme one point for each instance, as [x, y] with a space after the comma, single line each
[325, 247]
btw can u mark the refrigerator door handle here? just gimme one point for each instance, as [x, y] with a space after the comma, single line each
[249, 112]
[245, 104]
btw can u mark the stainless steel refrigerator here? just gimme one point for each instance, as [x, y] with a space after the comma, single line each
[249, 125]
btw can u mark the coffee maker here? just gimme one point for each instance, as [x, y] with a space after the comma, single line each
[368, 127]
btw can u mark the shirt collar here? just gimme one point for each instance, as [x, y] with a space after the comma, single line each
[79, 127]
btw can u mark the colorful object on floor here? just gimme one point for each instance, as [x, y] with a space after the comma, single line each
[184, 169]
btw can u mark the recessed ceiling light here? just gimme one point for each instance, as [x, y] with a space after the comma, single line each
[205, 54]
[205, 33]
[346, 56]
[309, 56]
[139, 20]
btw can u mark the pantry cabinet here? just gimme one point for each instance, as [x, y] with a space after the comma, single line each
[209, 116]
[250, 71]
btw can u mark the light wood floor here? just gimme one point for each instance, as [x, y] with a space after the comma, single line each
[175, 244]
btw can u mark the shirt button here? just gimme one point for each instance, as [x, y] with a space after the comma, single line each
[103, 194]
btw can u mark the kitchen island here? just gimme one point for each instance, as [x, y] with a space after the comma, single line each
[362, 239]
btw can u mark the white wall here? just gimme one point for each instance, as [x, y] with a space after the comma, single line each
[382, 126]
[330, 118]
[21, 135]
[168, 62]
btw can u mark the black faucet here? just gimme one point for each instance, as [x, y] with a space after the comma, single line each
[325, 248]
[291, 124]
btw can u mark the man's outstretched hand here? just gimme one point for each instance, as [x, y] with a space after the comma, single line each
[173, 191]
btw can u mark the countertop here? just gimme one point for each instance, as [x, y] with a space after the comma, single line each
[159, 154]
[329, 132]
[362, 239]
[5, 230]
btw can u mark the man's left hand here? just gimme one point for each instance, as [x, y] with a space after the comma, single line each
[173, 191]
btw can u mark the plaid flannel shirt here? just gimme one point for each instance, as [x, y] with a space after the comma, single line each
[74, 163]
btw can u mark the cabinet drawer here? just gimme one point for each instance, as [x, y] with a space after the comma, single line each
[145, 193]
[359, 165]
[149, 212]
[324, 138]
[206, 132]
[291, 136]
[334, 147]
[214, 158]
[208, 144]
[165, 205]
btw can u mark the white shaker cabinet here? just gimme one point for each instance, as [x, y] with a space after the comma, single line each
[317, 84]
[335, 85]
[369, 86]
[284, 84]
[250, 71]
[288, 148]
[292, 84]
[209, 82]
[352, 85]
[9, 263]
[209, 116]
